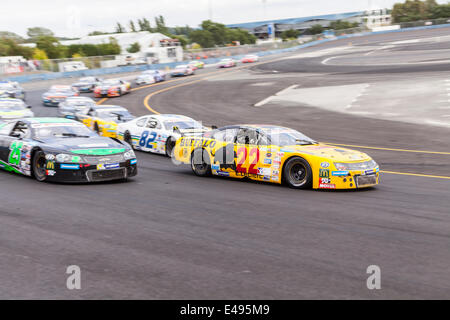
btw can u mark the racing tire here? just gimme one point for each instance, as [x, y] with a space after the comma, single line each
[200, 163]
[297, 173]
[96, 128]
[38, 168]
[170, 145]
[127, 138]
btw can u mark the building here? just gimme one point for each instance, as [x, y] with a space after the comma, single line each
[154, 47]
[262, 29]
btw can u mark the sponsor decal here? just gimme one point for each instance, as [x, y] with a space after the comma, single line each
[280, 154]
[223, 173]
[325, 164]
[324, 173]
[266, 178]
[70, 166]
[50, 165]
[274, 178]
[340, 173]
[377, 169]
[275, 172]
[324, 180]
[215, 167]
[133, 161]
[268, 155]
[108, 166]
[50, 173]
[264, 171]
[50, 156]
[369, 172]
[267, 161]
[327, 186]
[76, 159]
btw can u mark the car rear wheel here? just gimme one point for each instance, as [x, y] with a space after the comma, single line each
[38, 166]
[297, 173]
[170, 144]
[200, 163]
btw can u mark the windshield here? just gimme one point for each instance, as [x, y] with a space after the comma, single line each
[110, 82]
[287, 137]
[115, 114]
[12, 105]
[56, 130]
[184, 124]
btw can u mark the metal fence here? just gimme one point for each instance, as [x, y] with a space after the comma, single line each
[57, 65]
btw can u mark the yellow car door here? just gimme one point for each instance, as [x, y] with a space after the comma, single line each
[247, 154]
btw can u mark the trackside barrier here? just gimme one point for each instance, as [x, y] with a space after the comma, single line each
[162, 66]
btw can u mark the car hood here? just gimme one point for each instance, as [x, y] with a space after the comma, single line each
[106, 87]
[330, 152]
[86, 146]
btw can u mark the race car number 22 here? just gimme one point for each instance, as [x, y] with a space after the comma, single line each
[16, 150]
[147, 138]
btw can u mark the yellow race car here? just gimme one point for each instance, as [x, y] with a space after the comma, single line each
[104, 118]
[278, 155]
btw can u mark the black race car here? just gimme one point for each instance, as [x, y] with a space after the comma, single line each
[63, 150]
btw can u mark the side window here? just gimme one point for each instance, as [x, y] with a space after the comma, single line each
[263, 140]
[225, 135]
[247, 136]
[20, 130]
[153, 124]
[141, 122]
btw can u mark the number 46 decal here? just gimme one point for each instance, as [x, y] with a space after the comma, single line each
[147, 138]
[243, 158]
[16, 150]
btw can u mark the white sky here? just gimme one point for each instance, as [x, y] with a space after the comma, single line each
[79, 17]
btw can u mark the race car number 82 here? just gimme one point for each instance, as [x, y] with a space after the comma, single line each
[147, 138]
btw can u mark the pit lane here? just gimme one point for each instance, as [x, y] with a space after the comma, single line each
[169, 234]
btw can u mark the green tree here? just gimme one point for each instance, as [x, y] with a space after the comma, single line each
[161, 25]
[37, 32]
[134, 47]
[120, 28]
[440, 11]
[11, 35]
[52, 47]
[203, 38]
[132, 26]
[97, 33]
[217, 30]
[290, 34]
[341, 25]
[411, 10]
[9, 47]
[316, 29]
[39, 54]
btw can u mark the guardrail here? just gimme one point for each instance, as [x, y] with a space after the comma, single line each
[283, 47]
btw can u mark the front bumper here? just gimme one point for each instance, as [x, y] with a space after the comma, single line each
[75, 173]
[356, 179]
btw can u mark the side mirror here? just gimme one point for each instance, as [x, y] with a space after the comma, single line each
[176, 129]
[28, 107]
[214, 127]
[15, 135]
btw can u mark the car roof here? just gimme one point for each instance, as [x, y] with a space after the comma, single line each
[57, 86]
[170, 117]
[106, 106]
[43, 120]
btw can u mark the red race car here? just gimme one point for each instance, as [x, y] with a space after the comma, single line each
[250, 58]
[112, 88]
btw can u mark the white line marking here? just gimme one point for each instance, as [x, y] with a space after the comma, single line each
[263, 102]
[327, 59]
[286, 89]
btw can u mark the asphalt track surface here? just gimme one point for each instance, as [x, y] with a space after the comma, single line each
[168, 234]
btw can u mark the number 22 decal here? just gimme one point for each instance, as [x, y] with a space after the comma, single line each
[242, 154]
[147, 138]
[16, 151]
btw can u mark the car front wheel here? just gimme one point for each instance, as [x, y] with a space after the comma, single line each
[38, 166]
[297, 173]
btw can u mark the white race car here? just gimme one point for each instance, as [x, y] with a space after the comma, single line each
[158, 133]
